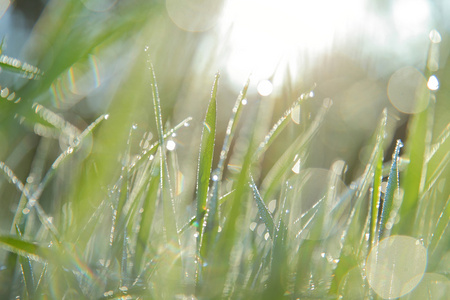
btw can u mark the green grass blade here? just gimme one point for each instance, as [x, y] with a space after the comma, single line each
[298, 147]
[418, 141]
[26, 249]
[164, 183]
[205, 160]
[279, 126]
[27, 270]
[391, 188]
[147, 216]
[16, 66]
[262, 209]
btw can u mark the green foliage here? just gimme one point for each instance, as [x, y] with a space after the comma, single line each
[106, 218]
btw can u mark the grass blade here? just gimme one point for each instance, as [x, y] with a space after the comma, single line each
[279, 126]
[392, 186]
[298, 147]
[205, 160]
[262, 209]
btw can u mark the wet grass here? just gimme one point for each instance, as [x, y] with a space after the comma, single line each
[112, 215]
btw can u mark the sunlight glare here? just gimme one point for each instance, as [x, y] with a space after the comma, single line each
[264, 35]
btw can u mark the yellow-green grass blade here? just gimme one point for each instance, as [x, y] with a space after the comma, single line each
[205, 160]
[417, 145]
[211, 220]
[148, 207]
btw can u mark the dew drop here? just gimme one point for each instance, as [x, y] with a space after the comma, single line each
[186, 124]
[265, 88]
[435, 36]
[244, 101]
[171, 145]
[311, 94]
[433, 83]
[215, 177]
[106, 116]
[134, 126]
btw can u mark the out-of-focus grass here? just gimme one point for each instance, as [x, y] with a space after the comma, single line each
[117, 206]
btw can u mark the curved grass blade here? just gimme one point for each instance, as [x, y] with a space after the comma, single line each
[278, 127]
[392, 186]
[205, 160]
[152, 148]
[298, 147]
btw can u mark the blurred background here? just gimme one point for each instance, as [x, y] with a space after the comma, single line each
[364, 55]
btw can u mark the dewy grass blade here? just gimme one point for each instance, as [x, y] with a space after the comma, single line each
[27, 270]
[298, 147]
[205, 160]
[164, 184]
[350, 238]
[391, 188]
[24, 248]
[279, 126]
[262, 209]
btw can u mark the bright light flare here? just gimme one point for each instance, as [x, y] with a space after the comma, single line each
[264, 35]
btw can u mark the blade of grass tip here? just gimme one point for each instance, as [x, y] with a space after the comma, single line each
[279, 126]
[27, 270]
[166, 191]
[392, 186]
[205, 160]
[264, 213]
[298, 147]
[218, 267]
[218, 173]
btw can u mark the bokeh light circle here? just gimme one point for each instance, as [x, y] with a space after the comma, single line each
[395, 266]
[407, 90]
[194, 15]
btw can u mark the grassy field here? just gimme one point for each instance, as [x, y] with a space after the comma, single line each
[116, 185]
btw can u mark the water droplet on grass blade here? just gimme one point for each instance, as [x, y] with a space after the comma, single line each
[171, 145]
[435, 36]
[433, 83]
[265, 88]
